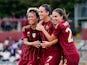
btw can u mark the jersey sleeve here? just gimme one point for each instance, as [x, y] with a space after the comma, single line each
[24, 34]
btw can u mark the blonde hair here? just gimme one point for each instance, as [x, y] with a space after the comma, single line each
[32, 9]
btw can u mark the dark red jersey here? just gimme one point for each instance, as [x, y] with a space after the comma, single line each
[48, 27]
[29, 53]
[64, 34]
[52, 52]
[31, 35]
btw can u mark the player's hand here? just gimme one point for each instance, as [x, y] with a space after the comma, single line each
[45, 44]
[23, 29]
[36, 44]
[40, 22]
[39, 27]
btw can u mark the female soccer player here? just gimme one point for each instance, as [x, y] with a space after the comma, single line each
[31, 38]
[64, 35]
[51, 54]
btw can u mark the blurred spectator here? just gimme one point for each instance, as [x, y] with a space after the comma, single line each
[19, 26]
[3, 25]
[0, 23]
[13, 50]
[1, 46]
[20, 42]
[7, 23]
[6, 42]
[24, 22]
[11, 41]
[6, 45]
[6, 55]
[13, 22]
[10, 50]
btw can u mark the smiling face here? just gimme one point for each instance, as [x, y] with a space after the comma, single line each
[56, 17]
[32, 18]
[42, 13]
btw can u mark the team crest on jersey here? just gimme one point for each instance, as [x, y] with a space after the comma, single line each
[47, 27]
[28, 33]
[33, 35]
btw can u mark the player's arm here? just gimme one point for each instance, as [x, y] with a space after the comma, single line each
[25, 27]
[26, 42]
[35, 43]
[46, 44]
[48, 36]
[24, 35]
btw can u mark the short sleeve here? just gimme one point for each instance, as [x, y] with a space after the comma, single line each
[24, 34]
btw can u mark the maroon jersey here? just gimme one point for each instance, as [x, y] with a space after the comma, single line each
[31, 35]
[29, 53]
[52, 52]
[64, 34]
[48, 27]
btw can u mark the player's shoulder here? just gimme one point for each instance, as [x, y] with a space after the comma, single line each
[49, 24]
[62, 25]
[65, 23]
[25, 27]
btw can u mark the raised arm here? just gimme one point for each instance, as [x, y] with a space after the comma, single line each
[48, 36]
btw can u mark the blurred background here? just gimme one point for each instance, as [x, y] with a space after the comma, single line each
[13, 18]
